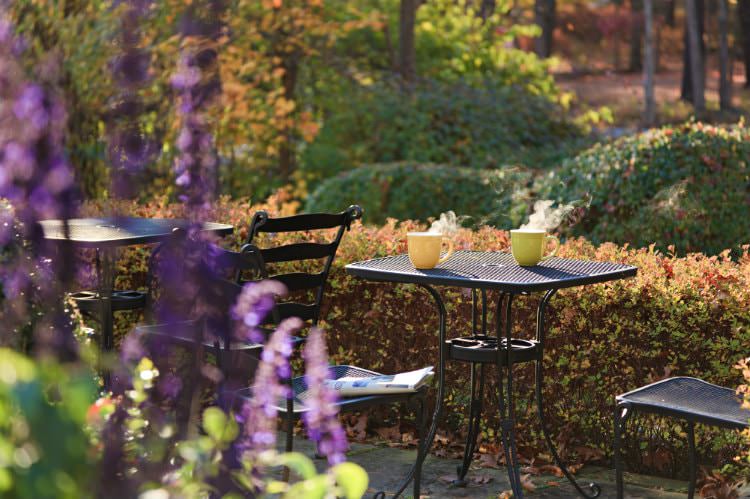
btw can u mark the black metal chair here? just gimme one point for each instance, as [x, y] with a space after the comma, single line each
[689, 399]
[300, 281]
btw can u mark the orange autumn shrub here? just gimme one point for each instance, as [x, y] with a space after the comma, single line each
[679, 316]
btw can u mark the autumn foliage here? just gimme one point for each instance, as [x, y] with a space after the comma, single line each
[678, 316]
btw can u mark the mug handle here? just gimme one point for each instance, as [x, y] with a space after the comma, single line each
[554, 251]
[450, 250]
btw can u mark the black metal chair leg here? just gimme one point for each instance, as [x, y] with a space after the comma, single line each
[428, 435]
[421, 451]
[539, 375]
[289, 444]
[691, 445]
[619, 428]
[415, 473]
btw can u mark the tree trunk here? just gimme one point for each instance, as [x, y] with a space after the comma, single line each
[669, 13]
[406, 45]
[697, 72]
[486, 9]
[636, 33]
[286, 149]
[725, 78]
[686, 90]
[649, 68]
[743, 12]
[544, 16]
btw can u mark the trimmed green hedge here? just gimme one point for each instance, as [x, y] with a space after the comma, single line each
[451, 123]
[679, 316]
[419, 191]
[686, 186]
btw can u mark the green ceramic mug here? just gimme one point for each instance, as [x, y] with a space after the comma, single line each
[528, 246]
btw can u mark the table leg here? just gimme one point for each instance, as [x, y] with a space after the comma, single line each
[442, 357]
[477, 392]
[427, 438]
[507, 408]
[106, 287]
[475, 416]
[595, 490]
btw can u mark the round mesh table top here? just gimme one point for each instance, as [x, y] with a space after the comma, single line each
[492, 270]
[124, 231]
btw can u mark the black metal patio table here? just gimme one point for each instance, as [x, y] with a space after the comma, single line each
[106, 235]
[483, 271]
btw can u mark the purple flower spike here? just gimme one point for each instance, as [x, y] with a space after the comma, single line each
[259, 413]
[321, 419]
[37, 181]
[253, 306]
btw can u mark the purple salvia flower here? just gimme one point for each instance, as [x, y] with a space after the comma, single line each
[196, 165]
[258, 415]
[130, 148]
[253, 306]
[38, 183]
[321, 418]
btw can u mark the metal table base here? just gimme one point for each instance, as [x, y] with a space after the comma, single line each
[486, 271]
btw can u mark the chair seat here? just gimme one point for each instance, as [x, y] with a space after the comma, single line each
[90, 301]
[185, 331]
[302, 394]
[692, 399]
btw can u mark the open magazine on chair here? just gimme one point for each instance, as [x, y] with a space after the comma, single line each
[387, 383]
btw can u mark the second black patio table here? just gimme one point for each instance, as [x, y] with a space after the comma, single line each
[497, 271]
[106, 235]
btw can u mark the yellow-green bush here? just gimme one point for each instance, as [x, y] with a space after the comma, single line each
[678, 316]
[411, 190]
[686, 185]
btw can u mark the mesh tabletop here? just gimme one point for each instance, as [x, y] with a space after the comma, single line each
[492, 270]
[692, 398]
[125, 231]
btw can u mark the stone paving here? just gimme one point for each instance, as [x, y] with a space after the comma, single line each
[386, 467]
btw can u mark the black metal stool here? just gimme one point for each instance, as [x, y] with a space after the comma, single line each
[690, 399]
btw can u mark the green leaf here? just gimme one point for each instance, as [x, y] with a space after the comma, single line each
[313, 488]
[276, 487]
[351, 478]
[214, 422]
[231, 431]
[299, 463]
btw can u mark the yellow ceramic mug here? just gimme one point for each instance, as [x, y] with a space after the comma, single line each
[528, 245]
[424, 249]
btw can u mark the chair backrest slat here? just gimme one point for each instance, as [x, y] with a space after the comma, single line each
[233, 261]
[300, 251]
[293, 309]
[297, 281]
[296, 252]
[308, 221]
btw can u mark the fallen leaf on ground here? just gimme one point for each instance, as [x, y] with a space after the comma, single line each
[488, 461]
[389, 433]
[447, 478]
[551, 469]
[358, 431]
[527, 484]
[480, 479]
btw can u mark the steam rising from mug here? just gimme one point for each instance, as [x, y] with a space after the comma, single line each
[448, 224]
[547, 218]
